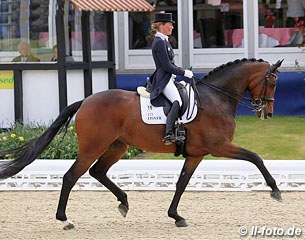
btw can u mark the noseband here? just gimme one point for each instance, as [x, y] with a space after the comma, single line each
[260, 102]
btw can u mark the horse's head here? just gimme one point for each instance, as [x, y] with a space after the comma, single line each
[262, 91]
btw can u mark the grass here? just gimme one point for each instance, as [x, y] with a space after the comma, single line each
[277, 138]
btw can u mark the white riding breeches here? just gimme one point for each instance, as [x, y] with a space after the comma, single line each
[171, 92]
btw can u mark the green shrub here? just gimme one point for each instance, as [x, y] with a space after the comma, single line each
[63, 146]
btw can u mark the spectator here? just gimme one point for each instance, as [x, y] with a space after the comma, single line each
[296, 9]
[54, 56]
[25, 54]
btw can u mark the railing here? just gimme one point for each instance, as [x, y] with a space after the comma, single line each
[211, 175]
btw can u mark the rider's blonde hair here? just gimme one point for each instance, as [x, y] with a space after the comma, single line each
[155, 27]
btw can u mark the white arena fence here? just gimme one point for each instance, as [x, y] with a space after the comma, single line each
[211, 175]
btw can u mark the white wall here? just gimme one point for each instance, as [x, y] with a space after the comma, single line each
[75, 86]
[40, 96]
[7, 114]
[99, 80]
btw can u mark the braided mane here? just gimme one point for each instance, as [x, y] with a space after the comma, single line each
[232, 64]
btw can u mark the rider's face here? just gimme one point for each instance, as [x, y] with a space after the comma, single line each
[166, 28]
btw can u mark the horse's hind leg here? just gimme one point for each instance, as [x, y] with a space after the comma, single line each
[70, 178]
[100, 168]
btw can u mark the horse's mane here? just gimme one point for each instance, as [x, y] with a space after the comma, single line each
[231, 64]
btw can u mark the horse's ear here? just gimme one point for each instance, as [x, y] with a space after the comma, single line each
[276, 65]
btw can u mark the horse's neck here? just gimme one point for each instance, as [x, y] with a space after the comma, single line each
[235, 83]
[232, 83]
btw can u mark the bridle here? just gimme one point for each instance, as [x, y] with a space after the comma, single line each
[260, 102]
[256, 104]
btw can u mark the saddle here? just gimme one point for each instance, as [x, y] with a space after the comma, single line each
[157, 115]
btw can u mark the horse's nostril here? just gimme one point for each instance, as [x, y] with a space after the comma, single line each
[270, 115]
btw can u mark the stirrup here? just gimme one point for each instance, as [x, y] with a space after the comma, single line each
[169, 139]
[180, 138]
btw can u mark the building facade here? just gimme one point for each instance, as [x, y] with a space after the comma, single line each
[207, 33]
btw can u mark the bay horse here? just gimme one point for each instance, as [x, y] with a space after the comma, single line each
[108, 122]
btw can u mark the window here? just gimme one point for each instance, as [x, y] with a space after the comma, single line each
[98, 25]
[217, 24]
[139, 25]
[24, 31]
[98, 34]
[98, 29]
[73, 33]
[28, 32]
[281, 23]
[9, 23]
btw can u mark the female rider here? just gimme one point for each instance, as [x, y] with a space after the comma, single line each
[162, 81]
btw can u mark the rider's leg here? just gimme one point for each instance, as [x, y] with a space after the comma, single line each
[170, 123]
[172, 94]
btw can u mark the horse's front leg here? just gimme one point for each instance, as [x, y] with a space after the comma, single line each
[258, 162]
[187, 171]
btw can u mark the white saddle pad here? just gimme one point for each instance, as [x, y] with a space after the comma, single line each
[155, 115]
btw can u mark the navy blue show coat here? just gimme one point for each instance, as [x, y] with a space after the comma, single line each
[163, 56]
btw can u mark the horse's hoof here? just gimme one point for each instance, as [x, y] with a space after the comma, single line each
[276, 195]
[68, 225]
[123, 209]
[181, 223]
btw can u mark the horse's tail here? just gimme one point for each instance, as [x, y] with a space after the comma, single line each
[27, 153]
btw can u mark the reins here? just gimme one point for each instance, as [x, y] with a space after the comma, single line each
[229, 94]
[256, 104]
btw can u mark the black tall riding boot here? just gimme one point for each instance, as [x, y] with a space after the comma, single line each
[170, 123]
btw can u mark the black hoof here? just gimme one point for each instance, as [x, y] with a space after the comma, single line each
[123, 209]
[181, 223]
[68, 226]
[276, 195]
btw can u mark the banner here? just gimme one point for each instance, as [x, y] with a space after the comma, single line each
[6, 80]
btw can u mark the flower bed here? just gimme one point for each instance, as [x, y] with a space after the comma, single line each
[63, 146]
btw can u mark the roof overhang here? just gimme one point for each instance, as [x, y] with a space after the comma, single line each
[113, 5]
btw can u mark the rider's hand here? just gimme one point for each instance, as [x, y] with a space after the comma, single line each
[188, 74]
